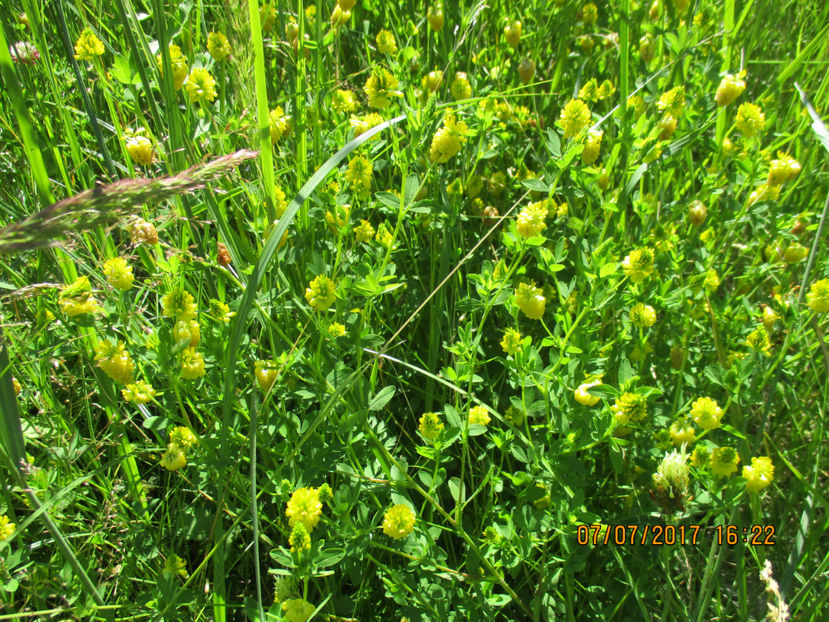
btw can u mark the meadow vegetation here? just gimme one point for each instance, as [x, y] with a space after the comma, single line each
[361, 310]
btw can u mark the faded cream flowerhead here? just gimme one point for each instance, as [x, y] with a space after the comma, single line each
[398, 521]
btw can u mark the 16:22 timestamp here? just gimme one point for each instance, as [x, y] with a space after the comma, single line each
[669, 535]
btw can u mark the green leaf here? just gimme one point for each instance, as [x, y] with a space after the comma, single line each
[382, 398]
[607, 269]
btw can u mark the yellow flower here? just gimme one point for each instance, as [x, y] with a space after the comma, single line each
[183, 437]
[589, 13]
[530, 299]
[6, 527]
[672, 102]
[380, 87]
[575, 116]
[512, 33]
[478, 415]
[346, 5]
[297, 609]
[430, 426]
[192, 364]
[76, 298]
[511, 342]
[724, 461]
[759, 340]
[435, 16]
[299, 539]
[760, 474]
[363, 232]
[140, 393]
[592, 146]
[178, 64]
[335, 329]
[750, 119]
[764, 192]
[304, 507]
[267, 16]
[279, 124]
[359, 173]
[343, 101]
[432, 81]
[629, 406]
[818, 297]
[174, 458]
[88, 46]
[730, 88]
[365, 123]
[399, 521]
[531, 220]
[339, 17]
[681, 431]
[200, 86]
[386, 43]
[583, 396]
[265, 372]
[114, 360]
[140, 149]
[320, 294]
[666, 126]
[220, 311]
[461, 89]
[700, 456]
[143, 232]
[384, 235]
[706, 413]
[174, 565]
[646, 47]
[448, 140]
[638, 265]
[118, 273]
[179, 304]
[783, 169]
[642, 315]
[218, 46]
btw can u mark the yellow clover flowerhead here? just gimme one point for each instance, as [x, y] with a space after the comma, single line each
[629, 406]
[358, 175]
[511, 342]
[724, 461]
[6, 527]
[88, 46]
[638, 264]
[430, 426]
[783, 169]
[818, 297]
[575, 116]
[642, 315]
[460, 88]
[435, 16]
[218, 46]
[386, 43]
[76, 298]
[320, 293]
[730, 88]
[706, 413]
[531, 220]
[343, 101]
[672, 475]
[750, 119]
[174, 458]
[178, 63]
[364, 231]
[448, 140]
[760, 474]
[279, 124]
[183, 437]
[592, 146]
[398, 521]
[584, 397]
[114, 360]
[139, 393]
[140, 149]
[479, 415]
[192, 364]
[304, 507]
[380, 87]
[118, 273]
[681, 432]
[299, 539]
[512, 33]
[200, 86]
[672, 102]
[530, 299]
[297, 609]
[179, 304]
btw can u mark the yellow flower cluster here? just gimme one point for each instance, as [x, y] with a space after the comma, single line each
[179, 304]
[192, 364]
[783, 169]
[706, 413]
[530, 299]
[430, 426]
[200, 86]
[638, 264]
[139, 393]
[448, 140]
[363, 232]
[365, 123]
[386, 43]
[139, 146]
[279, 124]
[304, 507]
[343, 101]
[629, 406]
[592, 146]
[178, 63]
[511, 342]
[380, 88]
[118, 273]
[460, 88]
[760, 474]
[358, 175]
[724, 461]
[730, 88]
[818, 297]
[682, 432]
[512, 33]
[6, 527]
[531, 220]
[750, 119]
[114, 360]
[181, 440]
[575, 116]
[398, 521]
[479, 415]
[320, 293]
[218, 46]
[642, 315]
[77, 299]
[88, 47]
